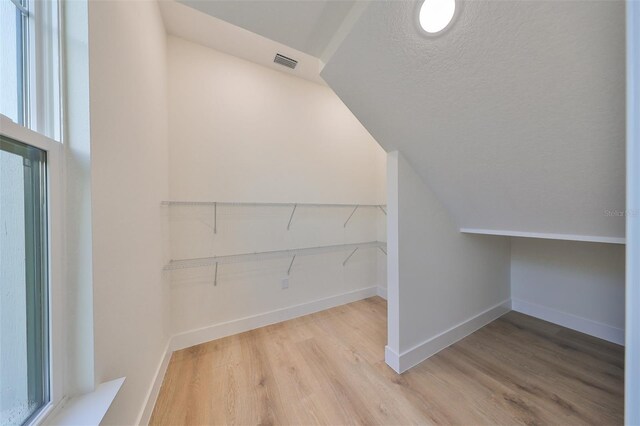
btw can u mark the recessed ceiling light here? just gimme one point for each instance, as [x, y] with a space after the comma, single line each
[435, 15]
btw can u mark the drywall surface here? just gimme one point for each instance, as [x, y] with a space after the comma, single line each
[129, 160]
[576, 284]
[442, 278]
[255, 287]
[308, 26]
[198, 27]
[514, 115]
[241, 132]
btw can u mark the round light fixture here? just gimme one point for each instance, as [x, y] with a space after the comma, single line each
[435, 15]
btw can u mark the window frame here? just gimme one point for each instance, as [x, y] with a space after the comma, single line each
[42, 126]
[54, 250]
[39, 66]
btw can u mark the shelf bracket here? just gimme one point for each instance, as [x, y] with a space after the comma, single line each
[383, 210]
[383, 250]
[349, 257]
[291, 217]
[290, 265]
[215, 277]
[349, 218]
[215, 218]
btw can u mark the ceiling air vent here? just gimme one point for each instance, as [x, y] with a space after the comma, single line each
[283, 60]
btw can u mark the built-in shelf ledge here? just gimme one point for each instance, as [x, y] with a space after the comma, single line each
[264, 255]
[547, 236]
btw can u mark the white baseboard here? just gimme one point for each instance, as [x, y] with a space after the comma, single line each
[411, 357]
[154, 390]
[217, 331]
[583, 325]
[382, 292]
[392, 359]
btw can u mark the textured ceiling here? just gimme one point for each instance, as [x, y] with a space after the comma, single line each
[514, 116]
[305, 25]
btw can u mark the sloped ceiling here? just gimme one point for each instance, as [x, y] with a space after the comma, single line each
[514, 116]
[198, 27]
[305, 25]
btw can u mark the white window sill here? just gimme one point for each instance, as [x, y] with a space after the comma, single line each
[87, 409]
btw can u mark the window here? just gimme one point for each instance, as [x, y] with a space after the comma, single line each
[12, 22]
[24, 341]
[30, 210]
[30, 65]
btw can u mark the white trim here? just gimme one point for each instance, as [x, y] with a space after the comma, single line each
[44, 65]
[547, 236]
[574, 322]
[632, 286]
[414, 356]
[392, 359]
[217, 331]
[88, 409]
[382, 292]
[154, 390]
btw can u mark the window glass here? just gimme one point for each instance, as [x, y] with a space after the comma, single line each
[24, 383]
[30, 64]
[10, 85]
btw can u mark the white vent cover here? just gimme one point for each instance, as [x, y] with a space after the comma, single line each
[283, 60]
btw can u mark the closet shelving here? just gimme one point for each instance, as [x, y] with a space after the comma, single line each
[293, 207]
[352, 248]
[257, 204]
[273, 254]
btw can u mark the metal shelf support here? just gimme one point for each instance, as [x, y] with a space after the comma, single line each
[349, 257]
[290, 265]
[349, 218]
[295, 206]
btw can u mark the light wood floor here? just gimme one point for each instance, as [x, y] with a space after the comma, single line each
[328, 368]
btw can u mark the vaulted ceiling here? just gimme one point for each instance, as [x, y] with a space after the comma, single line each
[514, 115]
[305, 25]
[193, 25]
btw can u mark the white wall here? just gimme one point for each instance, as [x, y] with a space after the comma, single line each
[579, 285]
[129, 160]
[632, 355]
[243, 132]
[442, 284]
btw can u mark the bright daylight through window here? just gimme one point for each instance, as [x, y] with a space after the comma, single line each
[30, 97]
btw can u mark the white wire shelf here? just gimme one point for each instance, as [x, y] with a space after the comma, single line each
[294, 206]
[255, 204]
[265, 255]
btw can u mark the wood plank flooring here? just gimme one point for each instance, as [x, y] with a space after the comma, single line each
[328, 368]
